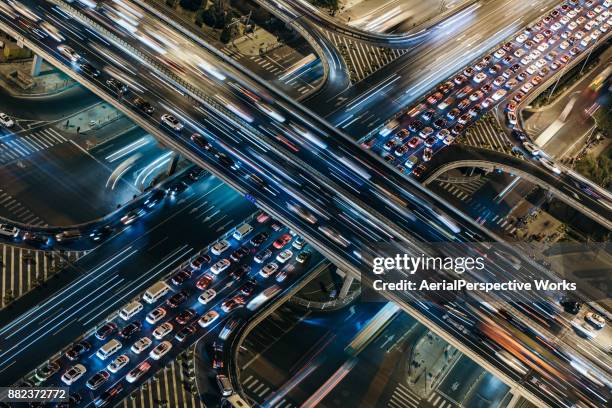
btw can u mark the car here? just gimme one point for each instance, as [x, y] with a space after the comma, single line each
[531, 148]
[508, 46]
[185, 316]
[459, 79]
[177, 299]
[73, 374]
[160, 350]
[457, 129]
[200, 261]
[463, 119]
[543, 47]
[446, 103]
[97, 380]
[507, 60]
[427, 154]
[118, 363]
[141, 344]
[77, 350]
[415, 126]
[181, 277]
[500, 93]
[207, 296]
[448, 140]
[434, 98]
[132, 216]
[35, 238]
[208, 318]
[156, 315]
[154, 198]
[284, 256]
[527, 87]
[261, 256]
[499, 53]
[464, 91]
[521, 38]
[468, 72]
[427, 115]
[519, 53]
[476, 96]
[172, 122]
[281, 241]
[232, 303]
[479, 66]
[248, 287]
[439, 123]
[494, 69]
[200, 141]
[9, 231]
[511, 106]
[107, 396]
[219, 247]
[488, 102]
[443, 133]
[240, 253]
[162, 330]
[6, 120]
[268, 270]
[220, 266]
[426, 132]
[511, 118]
[390, 144]
[595, 320]
[117, 85]
[430, 141]
[68, 52]
[143, 105]
[550, 165]
[446, 87]
[303, 257]
[100, 233]
[129, 330]
[414, 142]
[185, 332]
[518, 97]
[453, 113]
[47, 371]
[240, 272]
[262, 217]
[89, 69]
[475, 110]
[204, 282]
[140, 370]
[499, 81]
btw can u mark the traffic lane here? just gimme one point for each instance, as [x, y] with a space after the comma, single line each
[488, 392]
[150, 245]
[492, 21]
[225, 286]
[460, 379]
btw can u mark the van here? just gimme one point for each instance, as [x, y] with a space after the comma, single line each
[242, 231]
[224, 385]
[412, 161]
[70, 235]
[155, 292]
[130, 310]
[108, 349]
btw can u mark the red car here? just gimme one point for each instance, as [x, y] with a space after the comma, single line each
[204, 282]
[185, 316]
[282, 241]
[414, 142]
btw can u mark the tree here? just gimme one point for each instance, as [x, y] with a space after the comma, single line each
[230, 32]
[171, 3]
[199, 17]
[603, 118]
[598, 169]
[191, 5]
[332, 5]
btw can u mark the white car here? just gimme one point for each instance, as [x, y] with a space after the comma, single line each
[550, 165]
[499, 53]
[172, 122]
[481, 76]
[156, 315]
[73, 374]
[163, 330]
[220, 266]
[522, 38]
[141, 345]
[543, 47]
[556, 27]
[564, 45]
[500, 93]
[527, 87]
[284, 256]
[572, 26]
[448, 140]
[531, 148]
[118, 363]
[520, 52]
[9, 230]
[68, 52]
[207, 296]
[268, 270]
[219, 247]
[208, 318]
[6, 120]
[160, 350]
[596, 320]
[541, 63]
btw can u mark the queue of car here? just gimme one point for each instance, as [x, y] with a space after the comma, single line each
[165, 309]
[515, 69]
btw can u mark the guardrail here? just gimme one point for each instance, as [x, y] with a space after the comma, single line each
[329, 305]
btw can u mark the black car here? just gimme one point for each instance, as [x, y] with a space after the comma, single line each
[259, 239]
[97, 380]
[571, 306]
[45, 372]
[177, 187]
[416, 126]
[100, 233]
[185, 316]
[117, 85]
[89, 69]
[225, 160]
[248, 288]
[131, 329]
[155, 198]
[106, 330]
[217, 358]
[439, 123]
[107, 396]
[178, 298]
[78, 349]
[195, 174]
[143, 105]
[35, 238]
[199, 140]
[240, 272]
[181, 277]
[185, 332]
[240, 253]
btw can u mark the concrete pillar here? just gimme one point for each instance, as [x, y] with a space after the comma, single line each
[36, 65]
[516, 397]
[173, 163]
[346, 285]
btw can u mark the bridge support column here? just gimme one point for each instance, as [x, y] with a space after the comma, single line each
[346, 286]
[36, 65]
[516, 397]
[173, 163]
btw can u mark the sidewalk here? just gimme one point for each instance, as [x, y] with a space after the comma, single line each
[49, 82]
